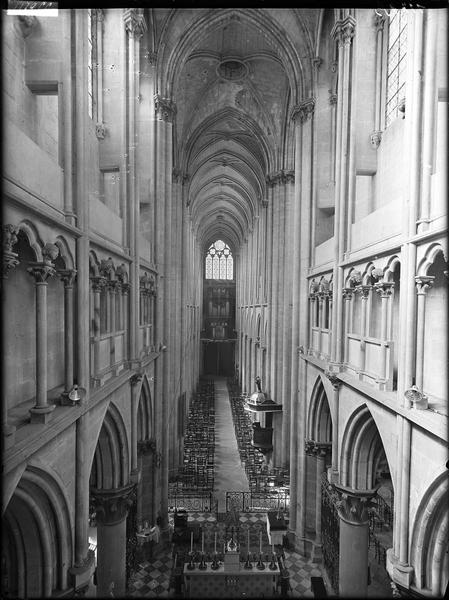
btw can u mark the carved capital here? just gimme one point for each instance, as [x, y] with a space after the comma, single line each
[375, 139]
[303, 110]
[379, 21]
[317, 62]
[134, 21]
[113, 285]
[112, 505]
[165, 109]
[67, 276]
[423, 283]
[344, 30]
[334, 379]
[364, 290]
[308, 447]
[347, 293]
[125, 288]
[321, 449]
[384, 288]
[100, 131]
[41, 271]
[354, 504]
[146, 447]
[98, 283]
[151, 58]
[106, 267]
[332, 98]
[176, 175]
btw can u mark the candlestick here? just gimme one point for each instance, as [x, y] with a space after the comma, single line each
[202, 542]
[215, 545]
[260, 541]
[191, 541]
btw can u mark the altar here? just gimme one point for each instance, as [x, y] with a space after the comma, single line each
[231, 578]
[276, 528]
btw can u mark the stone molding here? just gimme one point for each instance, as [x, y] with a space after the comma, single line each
[67, 276]
[98, 283]
[165, 109]
[134, 20]
[354, 504]
[303, 111]
[112, 505]
[344, 30]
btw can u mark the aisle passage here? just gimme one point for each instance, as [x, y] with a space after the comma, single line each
[229, 474]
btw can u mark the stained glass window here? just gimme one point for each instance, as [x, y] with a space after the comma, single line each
[219, 261]
[396, 63]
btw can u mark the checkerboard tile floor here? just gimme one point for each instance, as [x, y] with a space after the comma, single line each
[152, 578]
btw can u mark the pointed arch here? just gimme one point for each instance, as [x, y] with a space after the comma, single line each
[33, 237]
[64, 252]
[145, 412]
[319, 422]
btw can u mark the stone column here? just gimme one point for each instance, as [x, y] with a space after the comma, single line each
[10, 261]
[336, 383]
[354, 541]
[364, 290]
[68, 277]
[347, 297]
[385, 289]
[41, 272]
[423, 284]
[320, 296]
[112, 507]
[112, 293]
[320, 450]
[98, 283]
[135, 394]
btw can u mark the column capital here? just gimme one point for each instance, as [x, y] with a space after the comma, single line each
[136, 379]
[344, 30]
[347, 293]
[321, 449]
[125, 288]
[354, 504]
[67, 276]
[164, 108]
[308, 447]
[9, 236]
[332, 98]
[423, 283]
[384, 288]
[10, 261]
[333, 378]
[303, 110]
[112, 505]
[146, 447]
[379, 21]
[98, 283]
[41, 272]
[364, 290]
[134, 20]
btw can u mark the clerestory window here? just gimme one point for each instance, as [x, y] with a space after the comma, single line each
[219, 261]
[396, 63]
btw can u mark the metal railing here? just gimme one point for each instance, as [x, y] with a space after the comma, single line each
[193, 502]
[257, 501]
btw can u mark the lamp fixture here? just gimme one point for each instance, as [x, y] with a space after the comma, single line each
[73, 397]
[419, 400]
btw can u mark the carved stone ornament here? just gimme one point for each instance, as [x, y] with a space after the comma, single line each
[50, 253]
[354, 504]
[332, 98]
[333, 378]
[100, 131]
[384, 288]
[347, 293]
[121, 273]
[355, 278]
[423, 283]
[67, 276]
[136, 379]
[303, 110]
[41, 271]
[26, 24]
[106, 267]
[176, 175]
[111, 506]
[379, 21]
[375, 139]
[134, 21]
[151, 58]
[165, 108]
[10, 258]
[377, 273]
[364, 290]
[321, 449]
[309, 446]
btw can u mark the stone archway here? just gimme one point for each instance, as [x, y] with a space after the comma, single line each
[36, 538]
[112, 496]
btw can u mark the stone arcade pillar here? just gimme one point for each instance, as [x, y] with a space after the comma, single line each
[320, 450]
[354, 540]
[41, 272]
[68, 278]
[112, 509]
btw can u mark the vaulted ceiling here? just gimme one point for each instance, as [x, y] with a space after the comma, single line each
[234, 75]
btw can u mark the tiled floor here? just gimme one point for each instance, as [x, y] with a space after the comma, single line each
[152, 579]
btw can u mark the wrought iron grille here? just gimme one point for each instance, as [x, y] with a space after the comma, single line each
[257, 501]
[330, 532]
[131, 537]
[198, 502]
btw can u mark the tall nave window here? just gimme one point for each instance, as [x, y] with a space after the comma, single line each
[396, 63]
[219, 261]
